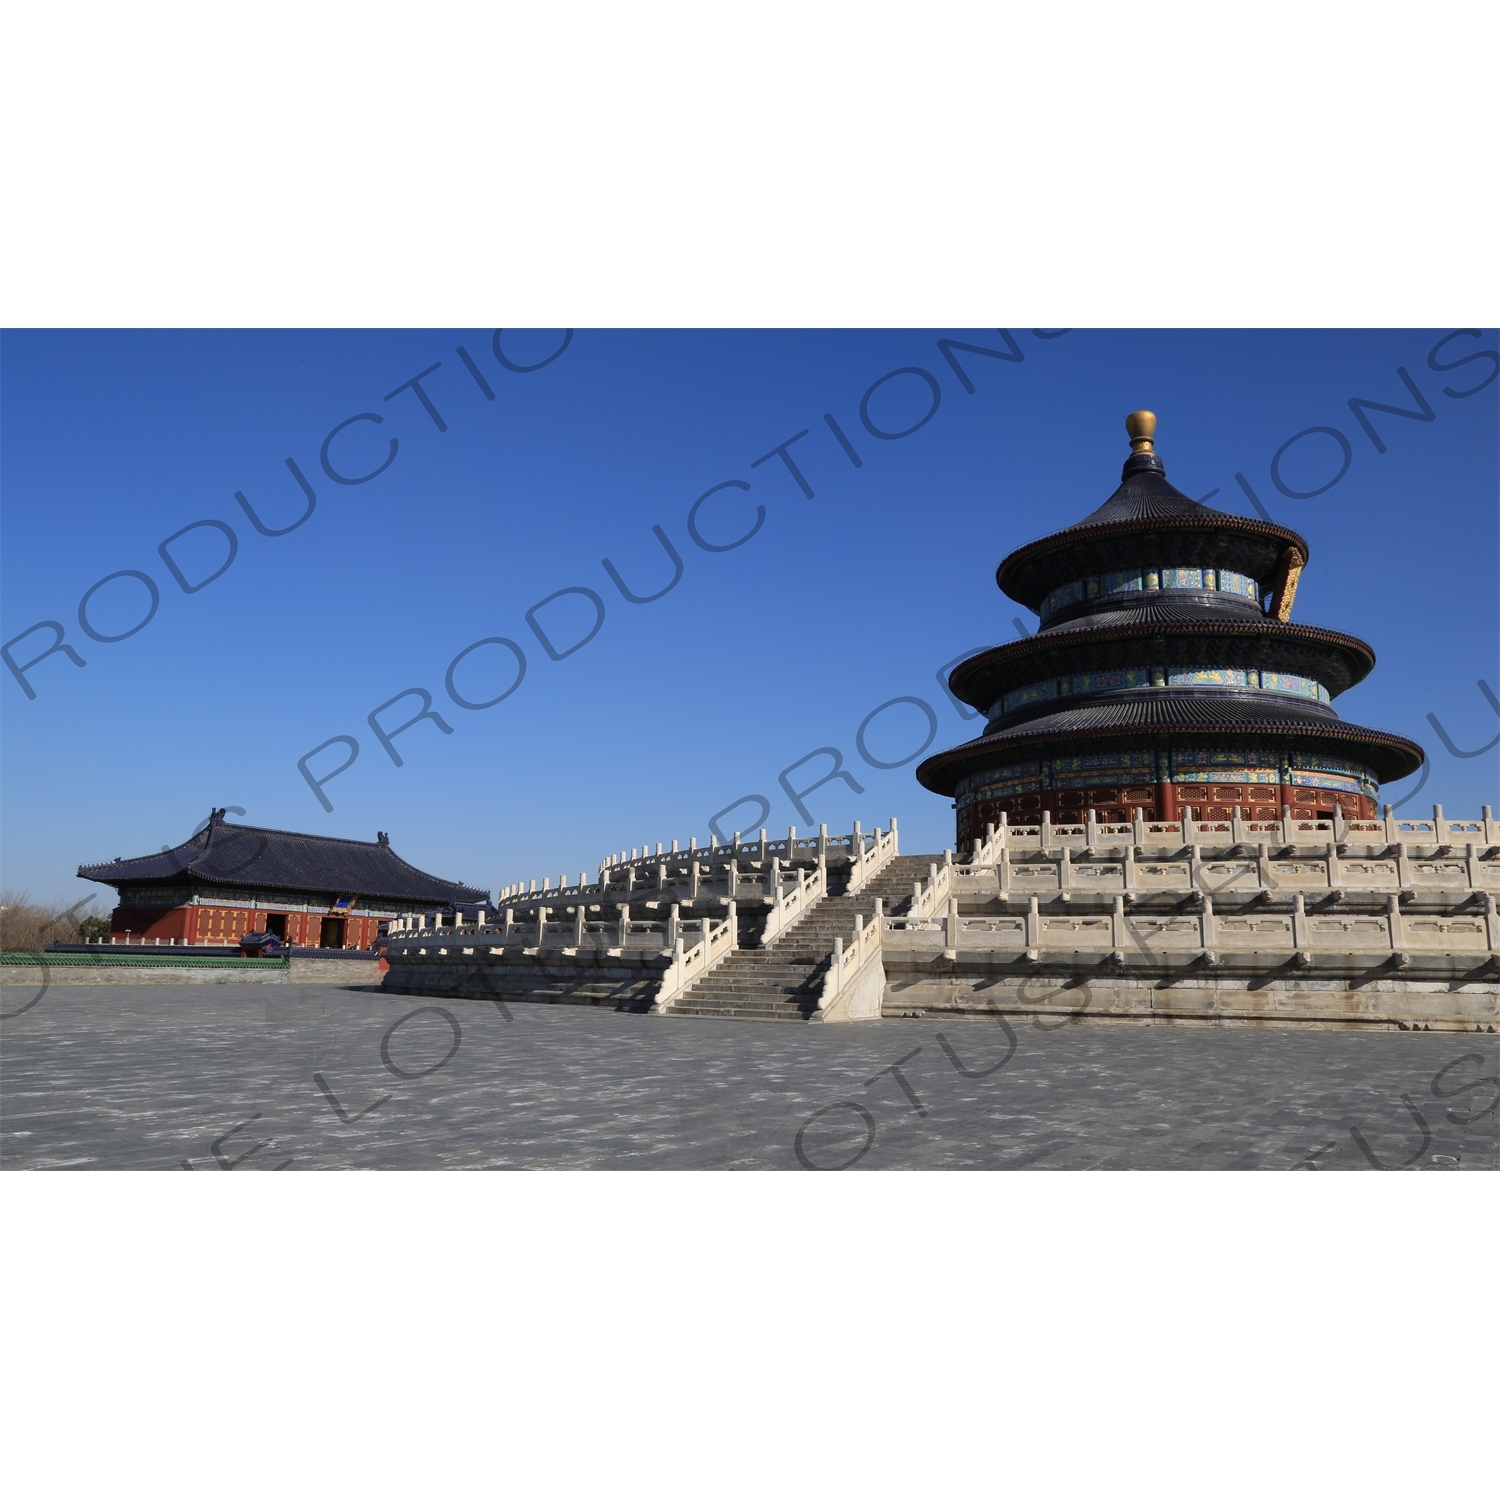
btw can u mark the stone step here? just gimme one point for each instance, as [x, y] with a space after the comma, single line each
[741, 986]
[751, 997]
[760, 1001]
[789, 1004]
[730, 1014]
[755, 982]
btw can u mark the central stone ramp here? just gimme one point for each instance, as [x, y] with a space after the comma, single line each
[781, 983]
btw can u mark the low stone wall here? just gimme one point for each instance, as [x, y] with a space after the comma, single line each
[15, 976]
[363, 970]
[619, 979]
[339, 971]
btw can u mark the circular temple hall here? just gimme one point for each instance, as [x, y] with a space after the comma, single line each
[1166, 675]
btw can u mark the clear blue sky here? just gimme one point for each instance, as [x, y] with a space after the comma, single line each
[761, 654]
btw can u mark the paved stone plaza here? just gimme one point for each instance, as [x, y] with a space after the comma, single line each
[253, 1077]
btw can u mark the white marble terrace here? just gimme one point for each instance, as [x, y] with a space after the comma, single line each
[1409, 896]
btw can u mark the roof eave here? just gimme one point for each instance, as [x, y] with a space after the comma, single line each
[942, 772]
[1041, 644]
[1059, 541]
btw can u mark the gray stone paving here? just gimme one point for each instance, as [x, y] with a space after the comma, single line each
[257, 1077]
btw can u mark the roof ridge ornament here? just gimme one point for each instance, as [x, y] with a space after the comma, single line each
[1141, 425]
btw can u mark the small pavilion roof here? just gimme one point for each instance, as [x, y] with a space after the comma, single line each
[238, 854]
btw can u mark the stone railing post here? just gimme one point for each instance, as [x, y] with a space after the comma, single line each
[1491, 922]
[674, 925]
[1439, 824]
[1117, 924]
[950, 934]
[791, 843]
[1299, 921]
[1128, 871]
[542, 913]
[1065, 868]
[1471, 859]
[1391, 835]
[823, 843]
[1393, 923]
[1206, 930]
[838, 964]
[624, 926]
[896, 839]
[734, 924]
[1138, 827]
[1033, 926]
[1491, 829]
[510, 922]
[1002, 872]
[1335, 869]
[1046, 839]
[1091, 829]
[693, 881]
[762, 854]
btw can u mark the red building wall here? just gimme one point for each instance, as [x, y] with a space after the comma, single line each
[1163, 802]
[228, 924]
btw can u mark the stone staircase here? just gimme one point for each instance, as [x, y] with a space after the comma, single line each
[781, 983]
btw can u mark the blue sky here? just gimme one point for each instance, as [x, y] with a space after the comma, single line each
[759, 656]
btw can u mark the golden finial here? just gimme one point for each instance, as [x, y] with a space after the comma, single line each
[1141, 425]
